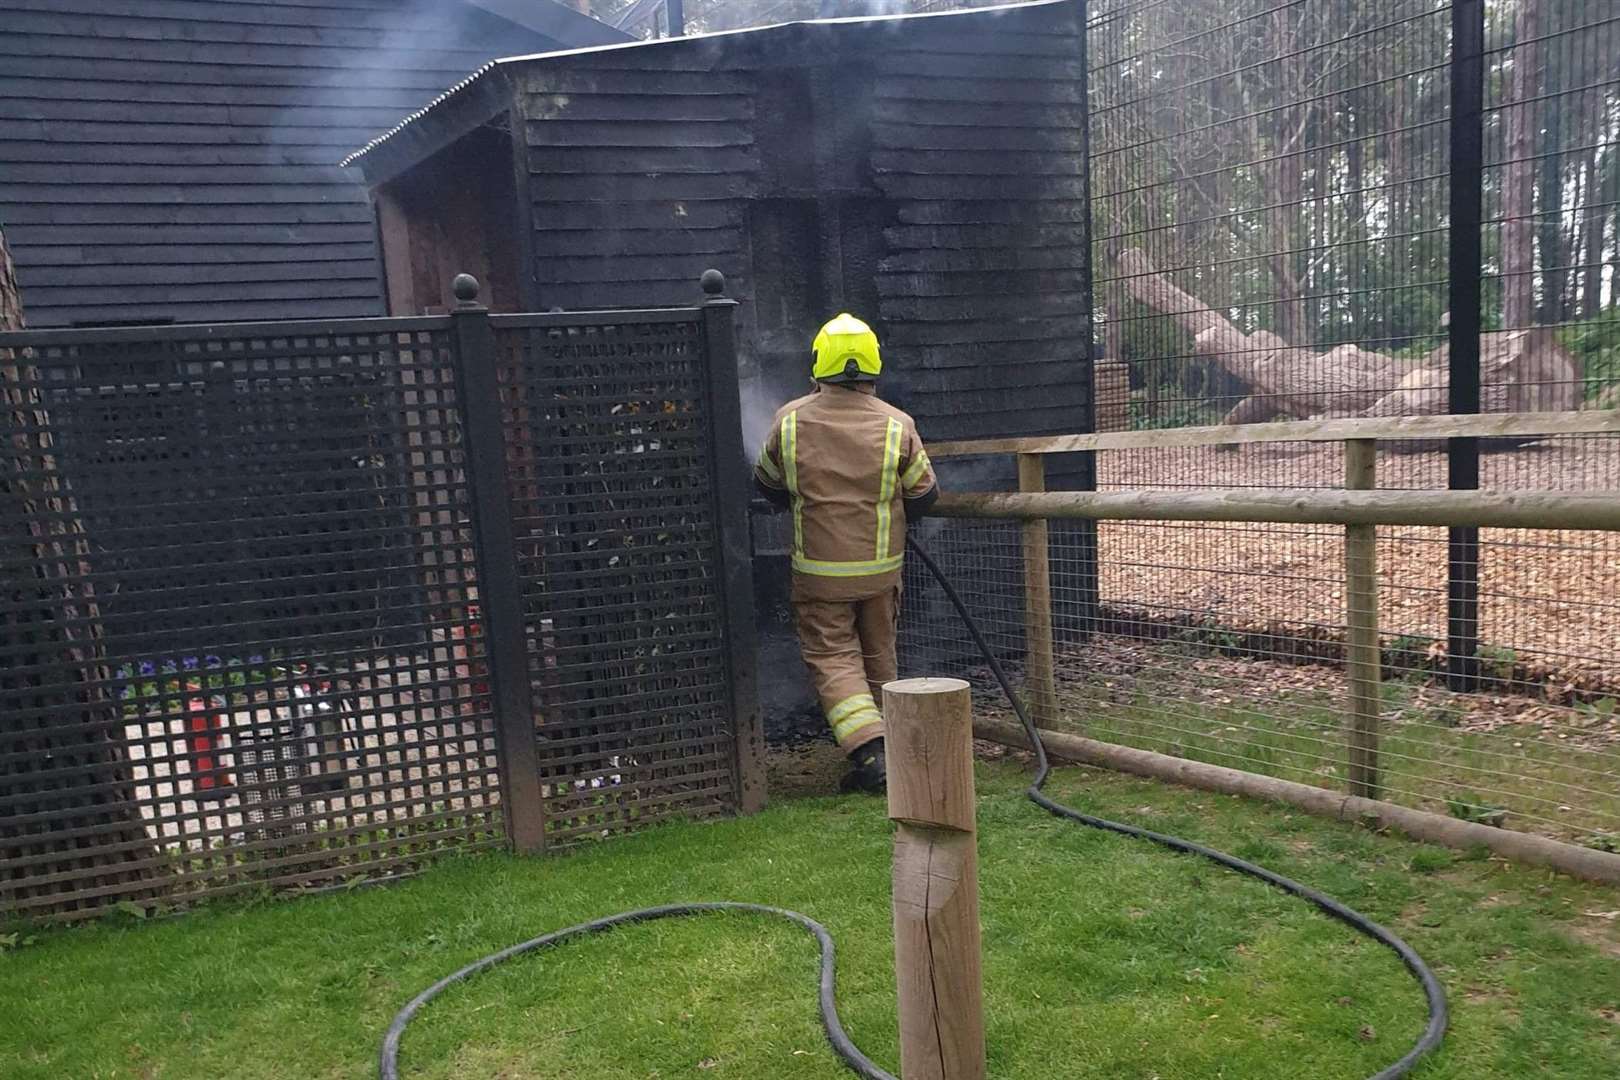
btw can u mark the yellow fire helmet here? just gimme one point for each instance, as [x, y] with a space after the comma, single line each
[846, 350]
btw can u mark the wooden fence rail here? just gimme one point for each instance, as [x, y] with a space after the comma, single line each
[1470, 426]
[1301, 506]
[1359, 508]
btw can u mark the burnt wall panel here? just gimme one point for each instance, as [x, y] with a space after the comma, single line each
[979, 145]
[945, 206]
[923, 174]
[640, 177]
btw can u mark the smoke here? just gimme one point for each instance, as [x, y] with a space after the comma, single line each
[375, 87]
[888, 7]
[763, 388]
[758, 408]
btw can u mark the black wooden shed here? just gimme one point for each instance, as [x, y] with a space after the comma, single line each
[924, 172]
[176, 160]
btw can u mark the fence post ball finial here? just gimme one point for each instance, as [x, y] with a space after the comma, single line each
[466, 288]
[713, 282]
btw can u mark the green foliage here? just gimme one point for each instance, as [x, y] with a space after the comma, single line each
[128, 910]
[160, 684]
[1144, 418]
[1498, 662]
[1208, 637]
[1409, 653]
[1430, 861]
[1596, 344]
[1601, 709]
[1466, 806]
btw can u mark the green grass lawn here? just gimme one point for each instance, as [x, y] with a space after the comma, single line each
[1104, 958]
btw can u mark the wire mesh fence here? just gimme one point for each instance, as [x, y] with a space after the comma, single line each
[1286, 197]
[1275, 187]
[1227, 643]
[1270, 199]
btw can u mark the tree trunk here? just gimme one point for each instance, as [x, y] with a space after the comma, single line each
[1524, 371]
[1518, 185]
[1592, 240]
[1355, 259]
[1284, 193]
[1552, 243]
[1612, 198]
[1389, 320]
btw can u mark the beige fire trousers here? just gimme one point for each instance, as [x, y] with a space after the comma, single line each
[849, 648]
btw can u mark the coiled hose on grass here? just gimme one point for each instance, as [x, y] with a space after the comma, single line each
[859, 1063]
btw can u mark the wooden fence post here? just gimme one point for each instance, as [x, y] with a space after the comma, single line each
[1361, 620]
[1040, 687]
[929, 740]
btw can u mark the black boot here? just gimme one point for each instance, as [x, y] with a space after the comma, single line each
[868, 773]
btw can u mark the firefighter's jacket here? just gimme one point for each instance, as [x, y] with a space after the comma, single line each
[847, 463]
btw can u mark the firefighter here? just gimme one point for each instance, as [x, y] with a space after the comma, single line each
[853, 472]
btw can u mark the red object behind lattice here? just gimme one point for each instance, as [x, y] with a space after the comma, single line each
[203, 725]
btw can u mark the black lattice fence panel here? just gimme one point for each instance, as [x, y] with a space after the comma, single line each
[296, 603]
[234, 631]
[615, 514]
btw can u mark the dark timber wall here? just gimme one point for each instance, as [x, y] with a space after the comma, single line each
[928, 181]
[175, 160]
[925, 174]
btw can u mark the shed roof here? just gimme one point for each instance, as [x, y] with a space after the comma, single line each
[482, 95]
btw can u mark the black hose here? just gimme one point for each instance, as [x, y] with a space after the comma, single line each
[859, 1063]
[388, 1059]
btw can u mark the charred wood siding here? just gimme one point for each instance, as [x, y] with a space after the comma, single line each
[176, 159]
[926, 174]
[977, 143]
[640, 167]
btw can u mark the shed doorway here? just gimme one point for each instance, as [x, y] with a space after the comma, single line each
[459, 214]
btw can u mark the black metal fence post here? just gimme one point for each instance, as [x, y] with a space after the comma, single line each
[731, 486]
[1090, 583]
[500, 594]
[1467, 182]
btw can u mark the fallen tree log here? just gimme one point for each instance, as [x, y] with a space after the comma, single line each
[1520, 370]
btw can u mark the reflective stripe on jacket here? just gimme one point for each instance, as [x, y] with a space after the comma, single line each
[847, 461]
